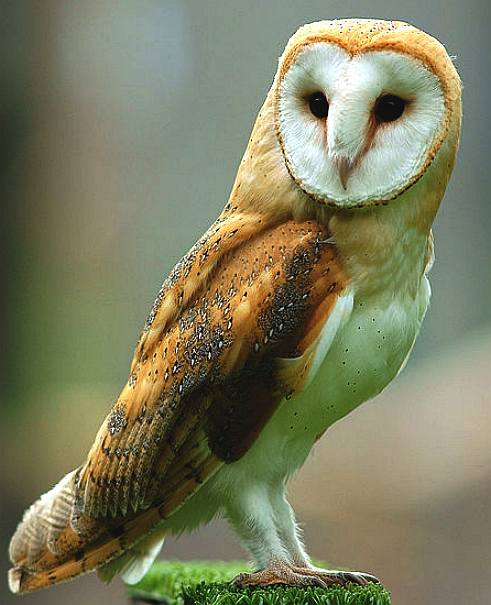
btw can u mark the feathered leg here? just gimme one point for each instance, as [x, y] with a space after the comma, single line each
[287, 527]
[289, 532]
[265, 522]
[252, 516]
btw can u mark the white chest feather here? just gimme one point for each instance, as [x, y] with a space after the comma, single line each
[366, 354]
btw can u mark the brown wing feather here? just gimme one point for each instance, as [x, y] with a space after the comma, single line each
[203, 383]
[248, 308]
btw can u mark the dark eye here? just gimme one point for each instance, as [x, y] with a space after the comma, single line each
[389, 108]
[318, 105]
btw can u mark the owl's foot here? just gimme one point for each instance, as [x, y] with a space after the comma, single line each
[280, 572]
[331, 577]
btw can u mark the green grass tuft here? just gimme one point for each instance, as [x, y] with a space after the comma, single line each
[207, 583]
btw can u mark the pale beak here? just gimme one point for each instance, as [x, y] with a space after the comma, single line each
[344, 166]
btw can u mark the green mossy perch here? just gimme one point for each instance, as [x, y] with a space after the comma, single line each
[207, 583]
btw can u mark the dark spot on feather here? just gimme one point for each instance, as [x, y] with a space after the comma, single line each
[116, 421]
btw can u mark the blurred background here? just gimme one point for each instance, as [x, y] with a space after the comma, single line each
[122, 126]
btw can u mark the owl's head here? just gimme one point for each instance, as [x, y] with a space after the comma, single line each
[362, 108]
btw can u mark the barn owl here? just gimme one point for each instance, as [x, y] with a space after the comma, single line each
[300, 302]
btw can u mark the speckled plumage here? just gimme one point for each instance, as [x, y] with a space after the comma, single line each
[293, 308]
[189, 404]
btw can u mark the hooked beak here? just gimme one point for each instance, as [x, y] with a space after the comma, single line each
[345, 166]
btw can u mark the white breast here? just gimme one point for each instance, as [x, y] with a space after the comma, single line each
[366, 354]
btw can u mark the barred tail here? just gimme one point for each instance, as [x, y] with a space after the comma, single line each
[53, 543]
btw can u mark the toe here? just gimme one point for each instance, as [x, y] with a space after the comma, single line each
[342, 578]
[362, 578]
[240, 579]
[313, 581]
[356, 577]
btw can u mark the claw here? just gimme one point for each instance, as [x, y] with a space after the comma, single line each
[340, 577]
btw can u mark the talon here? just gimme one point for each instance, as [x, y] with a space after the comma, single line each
[372, 578]
[354, 578]
[357, 577]
[317, 581]
[339, 577]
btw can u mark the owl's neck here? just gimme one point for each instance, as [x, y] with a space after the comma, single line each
[387, 249]
[390, 247]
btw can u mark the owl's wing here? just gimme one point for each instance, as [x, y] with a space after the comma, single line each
[206, 379]
[238, 326]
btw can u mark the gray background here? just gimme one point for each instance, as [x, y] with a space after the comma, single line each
[122, 126]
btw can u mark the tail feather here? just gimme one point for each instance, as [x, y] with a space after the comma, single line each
[43, 522]
[47, 548]
[92, 556]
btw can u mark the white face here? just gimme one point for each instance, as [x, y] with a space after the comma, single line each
[357, 130]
